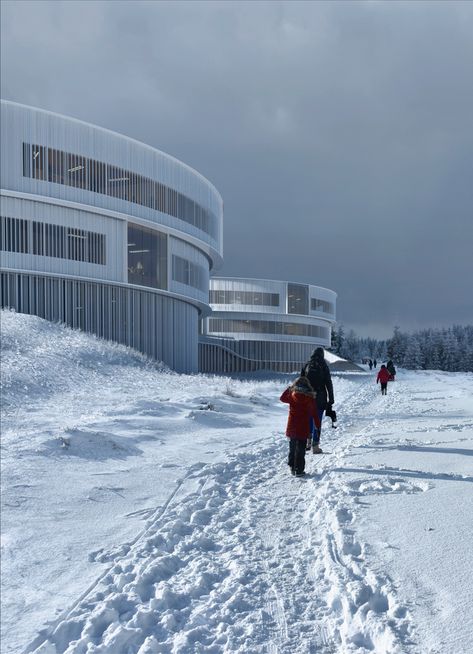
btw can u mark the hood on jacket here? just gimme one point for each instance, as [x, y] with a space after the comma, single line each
[302, 385]
[318, 354]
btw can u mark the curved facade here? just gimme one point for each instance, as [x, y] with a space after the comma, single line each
[262, 324]
[106, 234]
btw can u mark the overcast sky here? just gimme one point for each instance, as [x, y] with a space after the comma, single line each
[339, 134]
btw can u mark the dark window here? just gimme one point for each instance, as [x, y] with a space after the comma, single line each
[189, 273]
[118, 183]
[53, 233]
[147, 257]
[321, 305]
[75, 171]
[14, 235]
[38, 238]
[76, 244]
[251, 298]
[298, 299]
[172, 202]
[70, 169]
[38, 162]
[52, 240]
[222, 325]
[55, 166]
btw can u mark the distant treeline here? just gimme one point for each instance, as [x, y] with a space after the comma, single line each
[449, 349]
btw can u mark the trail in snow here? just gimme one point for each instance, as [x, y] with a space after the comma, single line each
[144, 511]
[244, 558]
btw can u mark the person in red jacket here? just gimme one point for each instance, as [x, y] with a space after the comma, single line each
[383, 377]
[302, 407]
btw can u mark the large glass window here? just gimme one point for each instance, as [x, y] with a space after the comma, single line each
[252, 298]
[48, 240]
[75, 170]
[224, 325]
[189, 273]
[298, 299]
[321, 305]
[147, 257]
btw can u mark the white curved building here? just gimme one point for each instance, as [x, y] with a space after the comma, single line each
[105, 234]
[262, 324]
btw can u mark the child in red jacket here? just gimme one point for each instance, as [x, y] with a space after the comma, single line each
[302, 407]
[383, 376]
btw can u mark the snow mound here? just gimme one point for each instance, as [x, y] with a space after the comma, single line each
[40, 358]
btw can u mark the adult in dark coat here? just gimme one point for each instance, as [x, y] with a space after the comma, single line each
[391, 369]
[317, 372]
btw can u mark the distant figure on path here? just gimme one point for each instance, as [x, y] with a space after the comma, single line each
[302, 409]
[370, 363]
[391, 369]
[383, 377]
[317, 372]
[374, 364]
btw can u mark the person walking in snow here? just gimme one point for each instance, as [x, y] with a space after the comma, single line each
[317, 372]
[383, 377]
[391, 369]
[302, 409]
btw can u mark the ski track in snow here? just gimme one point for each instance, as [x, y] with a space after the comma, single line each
[219, 568]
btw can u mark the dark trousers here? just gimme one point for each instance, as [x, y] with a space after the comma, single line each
[315, 433]
[296, 458]
[384, 388]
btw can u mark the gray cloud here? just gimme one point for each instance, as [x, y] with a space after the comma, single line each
[339, 134]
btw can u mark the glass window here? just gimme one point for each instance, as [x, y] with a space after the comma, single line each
[52, 240]
[116, 180]
[14, 235]
[74, 168]
[38, 238]
[250, 298]
[38, 162]
[322, 305]
[147, 257]
[266, 327]
[189, 273]
[76, 244]
[298, 299]
[70, 169]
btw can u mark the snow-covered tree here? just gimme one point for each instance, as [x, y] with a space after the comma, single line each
[350, 348]
[338, 339]
[413, 358]
[396, 346]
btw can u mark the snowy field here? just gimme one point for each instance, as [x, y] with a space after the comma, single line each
[149, 512]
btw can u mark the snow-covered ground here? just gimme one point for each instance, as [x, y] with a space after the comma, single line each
[145, 511]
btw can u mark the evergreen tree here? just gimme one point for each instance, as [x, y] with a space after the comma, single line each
[338, 339]
[396, 346]
[350, 349]
[435, 353]
[413, 354]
